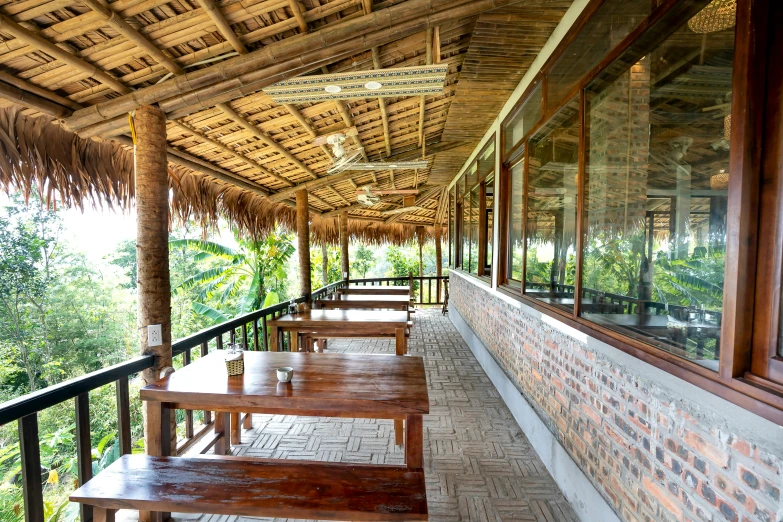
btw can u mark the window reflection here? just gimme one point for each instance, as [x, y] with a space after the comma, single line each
[528, 114]
[517, 192]
[551, 209]
[489, 199]
[656, 194]
[474, 228]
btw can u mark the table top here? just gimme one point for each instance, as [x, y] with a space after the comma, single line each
[375, 289]
[386, 298]
[645, 321]
[328, 318]
[340, 385]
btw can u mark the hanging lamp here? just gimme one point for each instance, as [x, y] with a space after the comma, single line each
[718, 15]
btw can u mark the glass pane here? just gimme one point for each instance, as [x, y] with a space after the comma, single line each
[465, 231]
[656, 195]
[515, 247]
[474, 228]
[527, 116]
[607, 28]
[486, 160]
[490, 203]
[452, 225]
[551, 209]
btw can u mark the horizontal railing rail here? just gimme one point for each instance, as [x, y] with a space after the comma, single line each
[250, 328]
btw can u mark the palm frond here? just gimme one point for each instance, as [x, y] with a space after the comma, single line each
[210, 313]
[203, 277]
[208, 247]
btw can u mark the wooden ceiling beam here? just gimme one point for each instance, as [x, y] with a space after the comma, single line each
[300, 19]
[376, 61]
[418, 201]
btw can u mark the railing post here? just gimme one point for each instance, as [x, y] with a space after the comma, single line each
[244, 336]
[30, 453]
[123, 415]
[204, 352]
[83, 447]
[255, 335]
[188, 413]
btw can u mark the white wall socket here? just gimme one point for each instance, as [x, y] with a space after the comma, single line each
[154, 335]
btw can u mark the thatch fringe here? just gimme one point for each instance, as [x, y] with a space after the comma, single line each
[36, 154]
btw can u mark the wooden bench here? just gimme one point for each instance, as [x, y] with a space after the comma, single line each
[257, 488]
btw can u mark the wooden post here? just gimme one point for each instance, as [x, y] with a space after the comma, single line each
[344, 262]
[420, 237]
[152, 243]
[303, 243]
[438, 259]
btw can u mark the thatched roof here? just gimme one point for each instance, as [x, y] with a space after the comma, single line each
[231, 148]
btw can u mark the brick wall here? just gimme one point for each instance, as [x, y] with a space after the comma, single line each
[651, 453]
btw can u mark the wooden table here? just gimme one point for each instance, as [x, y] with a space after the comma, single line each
[362, 289]
[341, 323]
[366, 301]
[340, 385]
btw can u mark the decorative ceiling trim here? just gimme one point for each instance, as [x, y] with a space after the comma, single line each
[405, 81]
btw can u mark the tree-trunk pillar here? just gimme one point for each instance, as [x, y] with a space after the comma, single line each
[152, 245]
[325, 263]
[420, 237]
[344, 262]
[438, 257]
[303, 242]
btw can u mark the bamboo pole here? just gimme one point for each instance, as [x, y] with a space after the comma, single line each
[297, 10]
[152, 247]
[9, 26]
[303, 243]
[39, 91]
[420, 237]
[344, 262]
[312, 185]
[122, 27]
[28, 99]
[366, 31]
[223, 26]
[438, 253]
[376, 62]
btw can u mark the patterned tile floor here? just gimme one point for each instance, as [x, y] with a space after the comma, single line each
[479, 465]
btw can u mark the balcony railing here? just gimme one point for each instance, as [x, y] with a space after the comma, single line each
[250, 330]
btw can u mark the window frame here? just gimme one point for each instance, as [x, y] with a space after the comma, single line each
[751, 366]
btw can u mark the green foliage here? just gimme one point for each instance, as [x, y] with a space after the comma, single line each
[401, 263]
[364, 261]
[333, 269]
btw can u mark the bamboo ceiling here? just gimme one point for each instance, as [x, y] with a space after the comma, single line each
[85, 64]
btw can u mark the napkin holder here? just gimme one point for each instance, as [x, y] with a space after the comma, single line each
[235, 363]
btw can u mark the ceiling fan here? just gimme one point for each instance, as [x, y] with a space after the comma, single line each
[369, 195]
[347, 157]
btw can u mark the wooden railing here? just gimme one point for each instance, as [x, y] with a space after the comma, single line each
[427, 290]
[249, 329]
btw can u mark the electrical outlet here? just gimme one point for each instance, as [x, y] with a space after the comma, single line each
[154, 335]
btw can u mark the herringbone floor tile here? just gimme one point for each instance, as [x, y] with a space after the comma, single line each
[479, 465]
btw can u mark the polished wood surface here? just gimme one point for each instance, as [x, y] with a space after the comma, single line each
[362, 289]
[365, 301]
[337, 385]
[249, 487]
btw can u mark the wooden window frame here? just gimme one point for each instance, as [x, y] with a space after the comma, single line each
[751, 369]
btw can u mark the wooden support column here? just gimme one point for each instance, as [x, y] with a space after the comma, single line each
[303, 242]
[420, 237]
[344, 262]
[325, 263]
[438, 258]
[152, 244]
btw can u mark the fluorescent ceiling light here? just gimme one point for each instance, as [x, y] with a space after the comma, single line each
[333, 89]
[373, 85]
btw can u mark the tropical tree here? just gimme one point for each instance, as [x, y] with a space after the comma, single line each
[245, 278]
[364, 260]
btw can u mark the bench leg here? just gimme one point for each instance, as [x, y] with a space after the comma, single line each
[103, 514]
[400, 345]
[248, 423]
[236, 435]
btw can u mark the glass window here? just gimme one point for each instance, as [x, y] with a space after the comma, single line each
[656, 194]
[607, 28]
[489, 221]
[551, 209]
[486, 160]
[474, 228]
[452, 225]
[516, 194]
[525, 118]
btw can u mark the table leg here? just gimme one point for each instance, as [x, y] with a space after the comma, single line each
[158, 445]
[103, 515]
[399, 335]
[294, 341]
[274, 341]
[248, 424]
[221, 424]
[414, 442]
[398, 432]
[236, 435]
